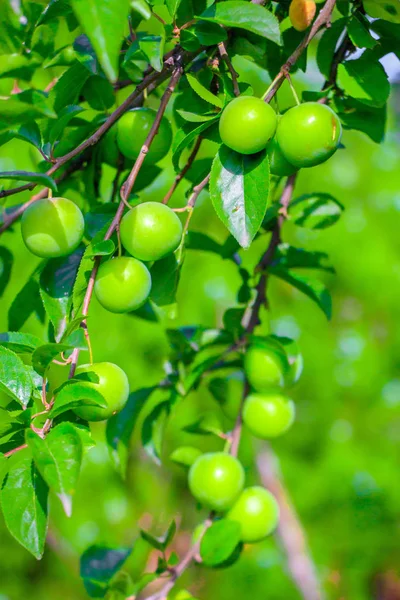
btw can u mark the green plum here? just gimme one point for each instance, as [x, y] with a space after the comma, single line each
[133, 129]
[52, 227]
[111, 382]
[122, 284]
[308, 134]
[277, 162]
[150, 231]
[257, 513]
[265, 366]
[269, 414]
[216, 480]
[247, 124]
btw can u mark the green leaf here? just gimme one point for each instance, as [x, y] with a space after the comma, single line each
[173, 6]
[327, 46]
[152, 47]
[25, 106]
[209, 33]
[56, 284]
[98, 566]
[68, 87]
[358, 30]
[245, 15]
[65, 116]
[26, 302]
[58, 459]
[99, 93]
[37, 178]
[21, 66]
[14, 378]
[153, 430]
[207, 424]
[103, 248]
[239, 188]
[365, 80]
[30, 133]
[219, 542]
[75, 394]
[315, 211]
[20, 343]
[120, 427]
[368, 119]
[43, 356]
[194, 117]
[289, 257]
[165, 274]
[185, 455]
[105, 24]
[185, 137]
[313, 288]
[24, 504]
[6, 261]
[203, 92]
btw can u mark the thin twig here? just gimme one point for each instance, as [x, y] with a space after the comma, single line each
[185, 169]
[322, 20]
[290, 531]
[225, 56]
[14, 450]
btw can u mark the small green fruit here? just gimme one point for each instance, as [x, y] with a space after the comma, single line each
[247, 124]
[150, 231]
[216, 480]
[309, 134]
[257, 513]
[278, 164]
[265, 367]
[268, 415]
[52, 227]
[133, 129]
[122, 284]
[111, 382]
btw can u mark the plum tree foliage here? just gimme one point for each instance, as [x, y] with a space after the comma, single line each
[125, 86]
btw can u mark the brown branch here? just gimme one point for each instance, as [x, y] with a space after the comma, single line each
[225, 56]
[290, 531]
[185, 169]
[15, 450]
[322, 20]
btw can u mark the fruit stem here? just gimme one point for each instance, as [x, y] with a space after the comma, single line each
[292, 88]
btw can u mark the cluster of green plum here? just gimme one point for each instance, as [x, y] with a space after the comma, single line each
[216, 479]
[304, 136]
[54, 227]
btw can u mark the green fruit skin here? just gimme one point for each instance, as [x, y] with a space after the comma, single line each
[52, 227]
[216, 480]
[268, 415]
[112, 384]
[389, 10]
[247, 124]
[257, 513]
[278, 164]
[263, 368]
[133, 129]
[150, 231]
[122, 284]
[309, 134]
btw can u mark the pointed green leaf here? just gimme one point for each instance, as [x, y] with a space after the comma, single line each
[37, 178]
[75, 394]
[239, 188]
[203, 92]
[104, 23]
[58, 459]
[14, 378]
[219, 542]
[245, 15]
[24, 504]
[311, 287]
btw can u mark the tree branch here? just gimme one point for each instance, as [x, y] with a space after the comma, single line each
[290, 531]
[185, 169]
[225, 56]
[322, 20]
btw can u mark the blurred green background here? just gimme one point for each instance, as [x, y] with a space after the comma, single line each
[340, 461]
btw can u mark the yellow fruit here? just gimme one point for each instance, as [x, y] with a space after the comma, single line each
[301, 13]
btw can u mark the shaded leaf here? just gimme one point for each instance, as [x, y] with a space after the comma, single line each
[58, 459]
[37, 178]
[24, 504]
[21, 343]
[6, 261]
[14, 378]
[316, 211]
[311, 287]
[153, 430]
[203, 92]
[98, 565]
[239, 189]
